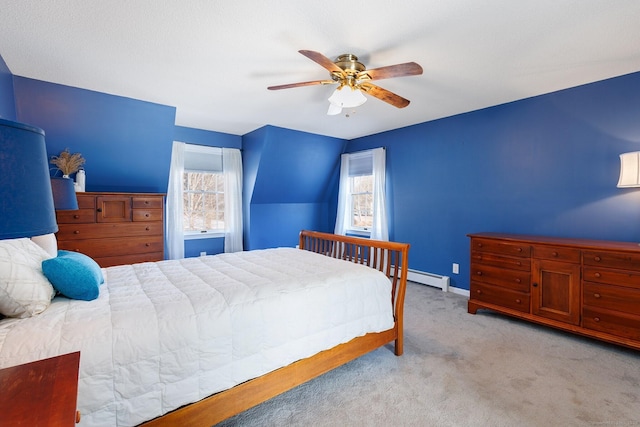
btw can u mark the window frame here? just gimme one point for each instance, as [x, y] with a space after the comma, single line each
[210, 151]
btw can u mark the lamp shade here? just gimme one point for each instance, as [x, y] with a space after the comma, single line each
[64, 194]
[26, 200]
[629, 170]
[347, 97]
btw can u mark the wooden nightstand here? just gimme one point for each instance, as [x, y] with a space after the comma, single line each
[41, 393]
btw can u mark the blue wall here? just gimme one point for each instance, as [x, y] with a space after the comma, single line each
[7, 99]
[126, 142]
[546, 165]
[289, 185]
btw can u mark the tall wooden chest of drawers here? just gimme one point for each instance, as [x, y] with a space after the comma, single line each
[114, 228]
[588, 287]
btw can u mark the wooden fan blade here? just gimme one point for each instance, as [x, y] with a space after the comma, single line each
[311, 83]
[322, 60]
[399, 70]
[385, 95]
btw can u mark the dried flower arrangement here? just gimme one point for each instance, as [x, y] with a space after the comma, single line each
[68, 163]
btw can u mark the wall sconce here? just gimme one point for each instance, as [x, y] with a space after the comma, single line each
[629, 170]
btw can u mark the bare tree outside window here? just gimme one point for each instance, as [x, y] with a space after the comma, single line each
[362, 201]
[203, 198]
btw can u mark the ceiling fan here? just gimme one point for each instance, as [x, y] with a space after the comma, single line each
[353, 78]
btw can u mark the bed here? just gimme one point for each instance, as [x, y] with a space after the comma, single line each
[236, 329]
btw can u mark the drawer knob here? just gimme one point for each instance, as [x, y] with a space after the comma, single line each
[76, 216]
[147, 244]
[596, 319]
[146, 215]
[519, 249]
[518, 263]
[518, 281]
[479, 291]
[146, 202]
[479, 245]
[597, 275]
[597, 259]
[479, 273]
[518, 301]
[596, 295]
[535, 285]
[76, 231]
[147, 228]
[555, 254]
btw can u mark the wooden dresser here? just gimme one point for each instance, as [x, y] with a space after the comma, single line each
[114, 228]
[588, 287]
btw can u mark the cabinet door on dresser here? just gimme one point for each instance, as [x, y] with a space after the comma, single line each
[113, 209]
[555, 290]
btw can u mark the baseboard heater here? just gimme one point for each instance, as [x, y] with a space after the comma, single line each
[429, 279]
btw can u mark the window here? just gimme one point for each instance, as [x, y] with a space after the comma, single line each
[203, 201]
[361, 199]
[202, 192]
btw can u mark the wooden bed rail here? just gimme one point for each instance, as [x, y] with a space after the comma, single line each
[391, 258]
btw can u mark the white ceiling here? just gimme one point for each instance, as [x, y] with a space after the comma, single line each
[213, 59]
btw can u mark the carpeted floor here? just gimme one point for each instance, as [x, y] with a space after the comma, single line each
[467, 370]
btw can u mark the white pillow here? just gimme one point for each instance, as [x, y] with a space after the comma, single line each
[24, 290]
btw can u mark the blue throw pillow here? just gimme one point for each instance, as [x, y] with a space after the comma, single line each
[74, 275]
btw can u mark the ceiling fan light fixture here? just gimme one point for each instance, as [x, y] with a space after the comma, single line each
[334, 110]
[347, 97]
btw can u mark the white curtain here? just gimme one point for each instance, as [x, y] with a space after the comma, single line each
[175, 239]
[232, 169]
[342, 216]
[380, 228]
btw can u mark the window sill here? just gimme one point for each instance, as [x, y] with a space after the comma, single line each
[358, 233]
[207, 235]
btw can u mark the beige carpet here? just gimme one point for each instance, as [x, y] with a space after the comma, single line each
[467, 370]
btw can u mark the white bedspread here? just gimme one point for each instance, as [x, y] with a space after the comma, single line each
[164, 334]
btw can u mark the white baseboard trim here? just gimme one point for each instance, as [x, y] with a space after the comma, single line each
[429, 279]
[459, 291]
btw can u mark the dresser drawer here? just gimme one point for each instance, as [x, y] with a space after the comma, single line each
[98, 231]
[613, 322]
[86, 201]
[500, 247]
[511, 279]
[80, 216]
[557, 253]
[499, 296]
[502, 261]
[96, 248]
[147, 202]
[616, 298]
[621, 260]
[147, 215]
[624, 278]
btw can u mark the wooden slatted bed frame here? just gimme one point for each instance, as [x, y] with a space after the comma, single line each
[389, 257]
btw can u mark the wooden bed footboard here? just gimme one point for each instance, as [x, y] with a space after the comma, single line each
[389, 257]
